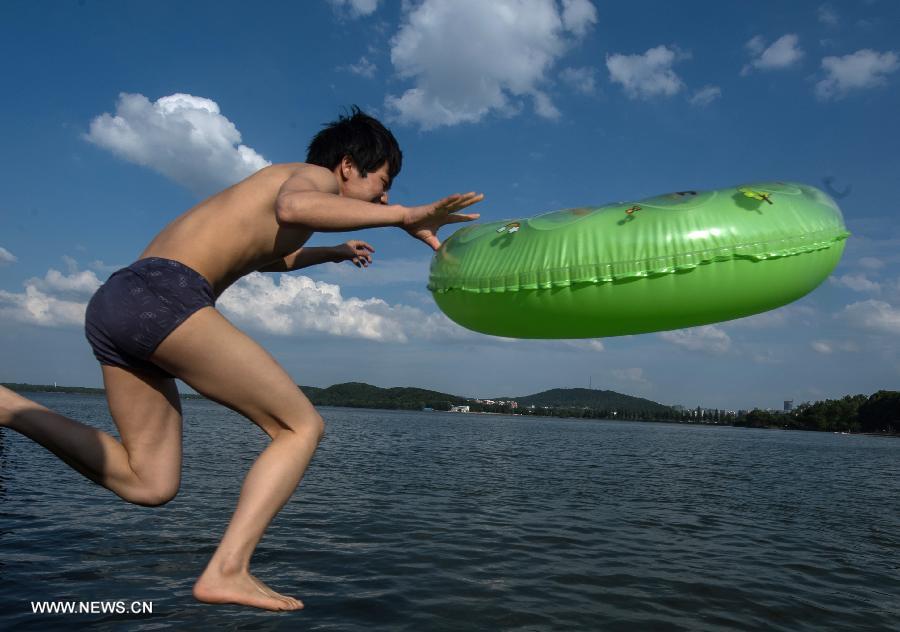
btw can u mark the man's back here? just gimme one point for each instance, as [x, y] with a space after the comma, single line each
[233, 232]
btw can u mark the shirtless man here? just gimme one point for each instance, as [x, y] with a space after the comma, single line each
[156, 320]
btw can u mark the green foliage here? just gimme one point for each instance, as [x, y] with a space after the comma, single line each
[881, 413]
[578, 398]
[360, 395]
[43, 388]
[878, 413]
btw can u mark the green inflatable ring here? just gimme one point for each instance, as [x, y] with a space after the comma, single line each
[672, 261]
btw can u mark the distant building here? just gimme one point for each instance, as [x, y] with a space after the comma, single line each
[788, 405]
[459, 409]
[514, 405]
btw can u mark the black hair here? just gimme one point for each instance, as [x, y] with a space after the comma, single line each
[368, 143]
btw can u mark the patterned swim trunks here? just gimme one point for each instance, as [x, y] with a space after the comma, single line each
[139, 306]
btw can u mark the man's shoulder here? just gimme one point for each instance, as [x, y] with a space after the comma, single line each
[301, 175]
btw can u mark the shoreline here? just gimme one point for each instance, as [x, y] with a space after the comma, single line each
[77, 390]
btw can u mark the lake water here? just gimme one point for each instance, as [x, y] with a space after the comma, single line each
[439, 521]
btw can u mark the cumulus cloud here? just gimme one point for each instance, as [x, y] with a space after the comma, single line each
[363, 68]
[578, 16]
[782, 53]
[469, 58]
[83, 283]
[647, 75]
[381, 272]
[827, 347]
[706, 95]
[57, 300]
[592, 344]
[6, 256]
[183, 137]
[827, 15]
[355, 8]
[874, 316]
[821, 346]
[38, 308]
[856, 282]
[858, 71]
[297, 305]
[708, 338]
[632, 375]
[579, 79]
[871, 263]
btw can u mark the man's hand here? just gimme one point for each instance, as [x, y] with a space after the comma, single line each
[359, 252]
[423, 222]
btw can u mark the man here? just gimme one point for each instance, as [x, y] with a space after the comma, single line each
[156, 320]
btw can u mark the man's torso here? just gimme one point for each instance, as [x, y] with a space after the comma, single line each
[234, 232]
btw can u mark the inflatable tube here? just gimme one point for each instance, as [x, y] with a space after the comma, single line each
[672, 261]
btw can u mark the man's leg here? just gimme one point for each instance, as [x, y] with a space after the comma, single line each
[221, 362]
[145, 468]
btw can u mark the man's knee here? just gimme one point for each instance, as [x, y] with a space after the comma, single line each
[308, 425]
[154, 494]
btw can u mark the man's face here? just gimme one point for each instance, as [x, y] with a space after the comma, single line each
[371, 188]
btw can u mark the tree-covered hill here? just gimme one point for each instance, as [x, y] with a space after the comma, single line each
[589, 398]
[360, 395]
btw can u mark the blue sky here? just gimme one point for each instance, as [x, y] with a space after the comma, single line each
[540, 104]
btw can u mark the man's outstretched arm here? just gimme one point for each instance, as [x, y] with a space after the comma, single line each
[359, 252]
[310, 198]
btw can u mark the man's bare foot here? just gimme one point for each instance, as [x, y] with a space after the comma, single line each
[243, 589]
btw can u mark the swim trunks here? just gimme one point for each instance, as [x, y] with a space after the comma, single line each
[139, 306]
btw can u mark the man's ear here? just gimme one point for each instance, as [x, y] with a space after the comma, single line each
[347, 166]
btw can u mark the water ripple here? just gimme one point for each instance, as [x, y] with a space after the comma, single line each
[412, 521]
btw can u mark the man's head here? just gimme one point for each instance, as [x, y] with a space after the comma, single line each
[363, 140]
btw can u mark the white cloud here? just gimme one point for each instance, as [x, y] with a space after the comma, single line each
[363, 68]
[708, 338]
[632, 375]
[874, 316]
[856, 282]
[578, 16]
[756, 45]
[827, 15]
[766, 356]
[592, 344]
[871, 263]
[470, 58]
[183, 137]
[38, 308]
[81, 283]
[828, 346]
[57, 300]
[860, 70]
[104, 268]
[381, 272]
[783, 53]
[821, 346]
[356, 8]
[579, 79]
[706, 95]
[645, 76]
[6, 256]
[297, 305]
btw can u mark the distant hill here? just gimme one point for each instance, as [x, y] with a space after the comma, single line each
[360, 395]
[589, 398]
[46, 388]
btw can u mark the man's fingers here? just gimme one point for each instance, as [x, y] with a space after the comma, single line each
[459, 200]
[467, 200]
[464, 217]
